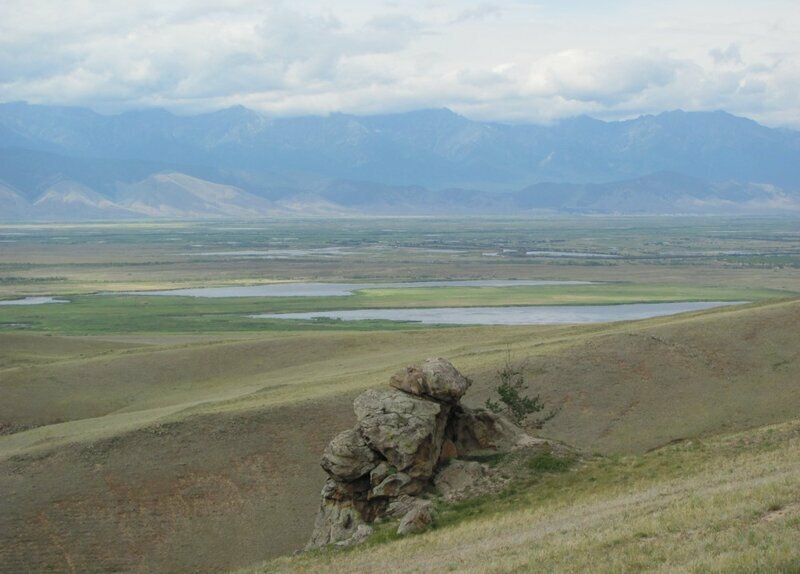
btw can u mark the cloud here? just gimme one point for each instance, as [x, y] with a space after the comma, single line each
[480, 12]
[729, 56]
[592, 77]
[515, 61]
[310, 47]
[192, 56]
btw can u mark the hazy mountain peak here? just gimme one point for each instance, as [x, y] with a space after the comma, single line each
[156, 112]
[245, 152]
[236, 113]
[71, 192]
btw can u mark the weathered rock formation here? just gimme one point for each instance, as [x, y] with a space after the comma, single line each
[406, 438]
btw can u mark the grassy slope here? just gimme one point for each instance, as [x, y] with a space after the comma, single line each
[721, 504]
[632, 387]
[205, 456]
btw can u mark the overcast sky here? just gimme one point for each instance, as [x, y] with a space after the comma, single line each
[507, 61]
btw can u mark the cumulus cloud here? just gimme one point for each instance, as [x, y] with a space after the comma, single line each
[592, 77]
[515, 61]
[729, 56]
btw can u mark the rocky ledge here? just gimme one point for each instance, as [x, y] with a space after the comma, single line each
[405, 446]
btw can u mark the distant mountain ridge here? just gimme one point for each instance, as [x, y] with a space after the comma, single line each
[428, 161]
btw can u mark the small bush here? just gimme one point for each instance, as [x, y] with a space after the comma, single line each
[513, 402]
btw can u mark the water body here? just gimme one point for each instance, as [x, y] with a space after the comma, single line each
[542, 315]
[335, 289]
[276, 253]
[33, 301]
[576, 254]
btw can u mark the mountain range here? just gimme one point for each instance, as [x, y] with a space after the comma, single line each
[72, 163]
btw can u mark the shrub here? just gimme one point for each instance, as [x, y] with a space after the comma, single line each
[513, 402]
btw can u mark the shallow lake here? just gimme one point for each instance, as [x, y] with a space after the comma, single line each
[542, 315]
[33, 301]
[576, 254]
[276, 253]
[336, 289]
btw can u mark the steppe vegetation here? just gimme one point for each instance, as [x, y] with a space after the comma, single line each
[184, 436]
[721, 504]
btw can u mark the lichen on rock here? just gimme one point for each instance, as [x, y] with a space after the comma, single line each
[406, 441]
[458, 477]
[348, 456]
[408, 431]
[435, 378]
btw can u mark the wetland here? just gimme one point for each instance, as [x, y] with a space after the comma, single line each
[541, 315]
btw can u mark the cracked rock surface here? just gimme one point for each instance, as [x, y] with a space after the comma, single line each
[406, 441]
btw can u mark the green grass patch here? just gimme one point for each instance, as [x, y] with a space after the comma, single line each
[92, 314]
[620, 513]
[595, 294]
[547, 462]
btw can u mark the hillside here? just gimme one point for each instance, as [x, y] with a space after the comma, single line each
[725, 503]
[179, 464]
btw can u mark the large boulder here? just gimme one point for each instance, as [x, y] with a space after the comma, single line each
[435, 378]
[344, 513]
[400, 506]
[363, 531]
[394, 485]
[340, 514]
[458, 477]
[478, 431]
[348, 457]
[337, 490]
[382, 468]
[418, 518]
[408, 431]
[336, 522]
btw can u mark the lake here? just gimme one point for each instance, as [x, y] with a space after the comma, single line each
[575, 254]
[533, 315]
[33, 301]
[306, 289]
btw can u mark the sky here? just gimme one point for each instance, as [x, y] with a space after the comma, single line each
[509, 61]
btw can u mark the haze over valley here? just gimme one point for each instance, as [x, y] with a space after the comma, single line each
[61, 163]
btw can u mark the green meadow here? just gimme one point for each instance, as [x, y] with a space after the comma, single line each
[97, 314]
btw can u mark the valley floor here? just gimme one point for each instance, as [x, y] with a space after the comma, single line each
[144, 434]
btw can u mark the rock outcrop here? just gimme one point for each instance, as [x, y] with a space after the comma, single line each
[458, 476]
[348, 456]
[478, 431]
[435, 378]
[407, 440]
[407, 431]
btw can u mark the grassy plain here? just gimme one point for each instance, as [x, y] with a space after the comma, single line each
[72, 259]
[175, 434]
[650, 260]
[100, 314]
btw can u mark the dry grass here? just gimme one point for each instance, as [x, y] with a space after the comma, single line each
[190, 453]
[725, 504]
